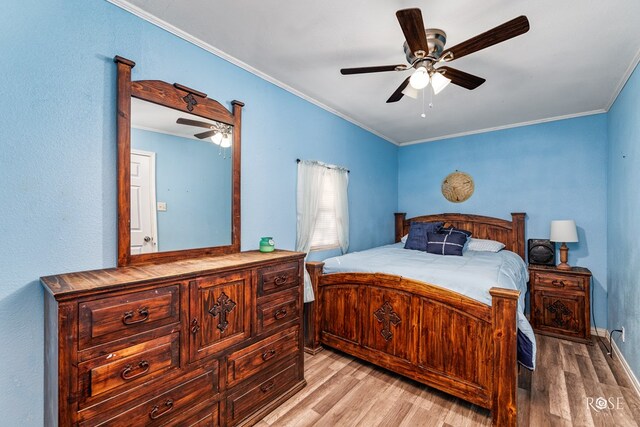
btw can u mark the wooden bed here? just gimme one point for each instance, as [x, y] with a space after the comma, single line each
[430, 334]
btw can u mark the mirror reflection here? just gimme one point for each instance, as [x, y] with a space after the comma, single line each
[181, 180]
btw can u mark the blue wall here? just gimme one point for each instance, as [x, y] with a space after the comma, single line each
[195, 183]
[554, 170]
[623, 216]
[58, 160]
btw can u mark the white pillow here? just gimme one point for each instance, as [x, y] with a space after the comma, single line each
[404, 238]
[483, 245]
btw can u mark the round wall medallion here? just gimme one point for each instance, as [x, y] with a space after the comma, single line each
[457, 187]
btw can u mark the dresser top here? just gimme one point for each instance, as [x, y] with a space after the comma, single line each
[553, 269]
[64, 286]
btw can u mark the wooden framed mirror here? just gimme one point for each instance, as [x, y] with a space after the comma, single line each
[178, 172]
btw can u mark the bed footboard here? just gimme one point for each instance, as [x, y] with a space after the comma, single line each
[430, 334]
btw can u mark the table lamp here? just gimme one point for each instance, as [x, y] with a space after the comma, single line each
[564, 231]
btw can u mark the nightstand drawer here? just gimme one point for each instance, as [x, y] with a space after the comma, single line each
[559, 281]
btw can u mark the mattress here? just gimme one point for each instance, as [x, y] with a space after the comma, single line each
[471, 274]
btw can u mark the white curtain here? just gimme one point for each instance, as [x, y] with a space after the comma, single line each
[313, 176]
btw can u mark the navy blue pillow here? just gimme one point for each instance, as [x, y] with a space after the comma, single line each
[446, 244]
[451, 230]
[417, 238]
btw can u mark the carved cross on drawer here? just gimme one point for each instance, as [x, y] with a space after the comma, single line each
[223, 306]
[559, 311]
[387, 317]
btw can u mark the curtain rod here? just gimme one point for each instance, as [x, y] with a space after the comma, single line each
[326, 166]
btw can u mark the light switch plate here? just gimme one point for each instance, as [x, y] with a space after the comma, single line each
[162, 206]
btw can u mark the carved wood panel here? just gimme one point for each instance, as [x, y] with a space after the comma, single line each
[455, 344]
[340, 312]
[387, 321]
[559, 312]
[220, 313]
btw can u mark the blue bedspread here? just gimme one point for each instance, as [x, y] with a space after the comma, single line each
[472, 274]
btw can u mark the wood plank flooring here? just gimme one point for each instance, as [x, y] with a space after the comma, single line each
[343, 391]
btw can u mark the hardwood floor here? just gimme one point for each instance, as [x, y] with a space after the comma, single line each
[343, 391]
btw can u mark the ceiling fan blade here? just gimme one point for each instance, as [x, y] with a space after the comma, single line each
[376, 69]
[460, 78]
[506, 31]
[397, 95]
[197, 123]
[206, 134]
[413, 29]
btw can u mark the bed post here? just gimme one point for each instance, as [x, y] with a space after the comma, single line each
[400, 217]
[311, 311]
[504, 304]
[517, 220]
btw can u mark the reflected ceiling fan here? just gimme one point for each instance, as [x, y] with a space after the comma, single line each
[219, 133]
[424, 48]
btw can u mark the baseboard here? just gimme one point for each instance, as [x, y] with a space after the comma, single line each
[627, 369]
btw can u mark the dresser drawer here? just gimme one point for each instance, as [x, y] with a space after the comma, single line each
[278, 277]
[168, 406]
[249, 398]
[262, 355]
[107, 319]
[558, 281]
[278, 310]
[121, 370]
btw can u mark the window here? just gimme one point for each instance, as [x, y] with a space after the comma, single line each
[325, 235]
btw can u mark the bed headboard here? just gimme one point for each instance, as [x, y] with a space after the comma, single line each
[511, 233]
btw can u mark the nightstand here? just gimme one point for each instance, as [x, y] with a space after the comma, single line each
[560, 302]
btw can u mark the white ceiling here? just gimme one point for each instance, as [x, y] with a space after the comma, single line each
[573, 61]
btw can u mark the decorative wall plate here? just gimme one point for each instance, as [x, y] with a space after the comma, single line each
[457, 187]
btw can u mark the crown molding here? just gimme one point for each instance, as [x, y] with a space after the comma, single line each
[623, 81]
[496, 128]
[152, 19]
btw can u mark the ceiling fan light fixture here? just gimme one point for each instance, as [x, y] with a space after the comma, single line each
[410, 91]
[226, 141]
[420, 78]
[217, 138]
[439, 82]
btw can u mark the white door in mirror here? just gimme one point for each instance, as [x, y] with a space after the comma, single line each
[144, 230]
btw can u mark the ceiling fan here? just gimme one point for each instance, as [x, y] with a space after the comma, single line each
[218, 132]
[424, 48]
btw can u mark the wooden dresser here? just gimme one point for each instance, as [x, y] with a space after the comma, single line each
[560, 303]
[209, 341]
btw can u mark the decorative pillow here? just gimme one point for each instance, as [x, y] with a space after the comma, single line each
[450, 230]
[417, 238]
[483, 245]
[446, 244]
[404, 238]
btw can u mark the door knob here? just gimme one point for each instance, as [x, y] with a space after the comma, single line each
[147, 239]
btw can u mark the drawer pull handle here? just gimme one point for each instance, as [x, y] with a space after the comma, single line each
[280, 280]
[126, 372]
[156, 413]
[268, 355]
[268, 386]
[280, 314]
[142, 312]
[558, 283]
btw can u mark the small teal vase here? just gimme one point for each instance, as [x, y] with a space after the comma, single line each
[267, 244]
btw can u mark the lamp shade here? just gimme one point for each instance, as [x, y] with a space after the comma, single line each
[564, 231]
